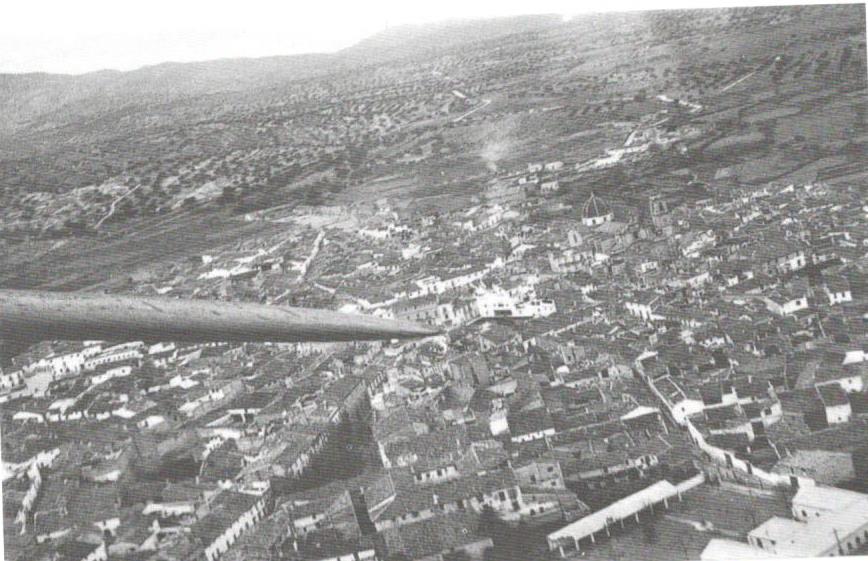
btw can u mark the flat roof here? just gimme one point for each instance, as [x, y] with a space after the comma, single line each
[619, 510]
[725, 550]
[825, 498]
[820, 534]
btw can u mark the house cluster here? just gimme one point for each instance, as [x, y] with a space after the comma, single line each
[599, 358]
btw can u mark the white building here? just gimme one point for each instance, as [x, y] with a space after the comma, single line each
[784, 304]
[119, 353]
[502, 304]
[719, 549]
[826, 522]
[11, 380]
[63, 365]
[549, 186]
[119, 372]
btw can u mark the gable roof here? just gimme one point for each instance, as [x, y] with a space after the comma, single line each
[530, 421]
[434, 535]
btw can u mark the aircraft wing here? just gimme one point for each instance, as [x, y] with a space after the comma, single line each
[34, 316]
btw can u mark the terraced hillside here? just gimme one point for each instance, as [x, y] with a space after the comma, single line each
[423, 115]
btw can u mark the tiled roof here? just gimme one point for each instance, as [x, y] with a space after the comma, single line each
[433, 536]
[75, 550]
[832, 395]
[227, 507]
[530, 421]
[93, 503]
[253, 400]
[225, 462]
[444, 444]
[846, 437]
[49, 522]
[416, 498]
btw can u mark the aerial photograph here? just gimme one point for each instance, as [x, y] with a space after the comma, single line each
[514, 288]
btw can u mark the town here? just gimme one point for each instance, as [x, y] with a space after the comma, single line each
[634, 362]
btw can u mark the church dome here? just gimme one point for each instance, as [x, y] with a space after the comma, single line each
[595, 211]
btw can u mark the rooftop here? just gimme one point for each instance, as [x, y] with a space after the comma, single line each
[846, 513]
[434, 535]
[227, 507]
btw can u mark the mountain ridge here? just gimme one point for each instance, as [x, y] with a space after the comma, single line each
[25, 97]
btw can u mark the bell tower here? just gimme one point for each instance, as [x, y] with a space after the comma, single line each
[659, 210]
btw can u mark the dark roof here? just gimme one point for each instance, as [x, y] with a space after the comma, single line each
[752, 410]
[326, 544]
[711, 393]
[94, 503]
[225, 462]
[859, 402]
[531, 421]
[433, 447]
[800, 400]
[75, 550]
[254, 400]
[341, 389]
[745, 387]
[411, 497]
[227, 507]
[434, 536]
[650, 422]
[845, 437]
[136, 527]
[45, 523]
[832, 395]
[729, 441]
[395, 423]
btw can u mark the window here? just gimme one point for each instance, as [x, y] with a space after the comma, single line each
[551, 469]
[501, 495]
[804, 514]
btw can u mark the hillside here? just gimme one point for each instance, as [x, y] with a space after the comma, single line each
[422, 114]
